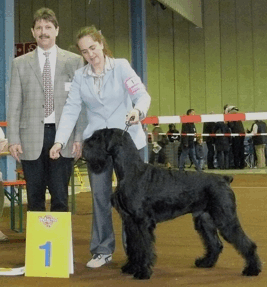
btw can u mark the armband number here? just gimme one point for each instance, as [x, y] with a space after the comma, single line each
[134, 85]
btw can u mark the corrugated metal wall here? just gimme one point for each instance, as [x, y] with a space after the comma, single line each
[188, 67]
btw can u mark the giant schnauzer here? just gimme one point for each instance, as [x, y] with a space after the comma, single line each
[147, 194]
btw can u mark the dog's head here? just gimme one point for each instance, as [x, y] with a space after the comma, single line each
[102, 144]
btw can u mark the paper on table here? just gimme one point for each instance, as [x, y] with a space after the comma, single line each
[12, 271]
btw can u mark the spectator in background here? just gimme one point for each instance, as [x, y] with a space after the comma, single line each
[174, 137]
[200, 152]
[259, 141]
[172, 130]
[225, 109]
[208, 128]
[222, 145]
[187, 143]
[159, 141]
[237, 141]
[3, 147]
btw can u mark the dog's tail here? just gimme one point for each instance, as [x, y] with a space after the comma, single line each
[228, 178]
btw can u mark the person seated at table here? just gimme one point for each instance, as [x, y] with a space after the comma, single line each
[3, 145]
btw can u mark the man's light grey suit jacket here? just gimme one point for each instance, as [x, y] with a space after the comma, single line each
[27, 100]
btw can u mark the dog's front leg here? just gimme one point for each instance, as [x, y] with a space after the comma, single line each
[140, 247]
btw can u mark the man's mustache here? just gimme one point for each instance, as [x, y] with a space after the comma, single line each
[44, 36]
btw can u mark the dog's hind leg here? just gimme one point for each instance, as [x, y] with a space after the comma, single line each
[207, 230]
[140, 247]
[233, 233]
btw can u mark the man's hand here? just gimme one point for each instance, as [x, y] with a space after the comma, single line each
[55, 151]
[133, 117]
[77, 150]
[15, 151]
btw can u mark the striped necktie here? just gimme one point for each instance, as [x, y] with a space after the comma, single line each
[48, 87]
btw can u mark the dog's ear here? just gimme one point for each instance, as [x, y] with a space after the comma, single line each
[95, 153]
[91, 144]
[113, 139]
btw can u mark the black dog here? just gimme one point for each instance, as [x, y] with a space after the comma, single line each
[147, 194]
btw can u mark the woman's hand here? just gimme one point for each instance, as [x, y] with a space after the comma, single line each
[55, 151]
[133, 117]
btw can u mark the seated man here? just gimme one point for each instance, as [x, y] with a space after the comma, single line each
[3, 147]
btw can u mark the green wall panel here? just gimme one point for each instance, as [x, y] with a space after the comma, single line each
[197, 69]
[181, 65]
[228, 52]
[93, 14]
[259, 12]
[188, 67]
[17, 23]
[166, 66]
[65, 39]
[107, 22]
[121, 26]
[37, 4]
[78, 16]
[25, 21]
[245, 65]
[153, 59]
[212, 57]
[53, 4]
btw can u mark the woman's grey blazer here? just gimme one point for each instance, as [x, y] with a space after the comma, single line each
[107, 109]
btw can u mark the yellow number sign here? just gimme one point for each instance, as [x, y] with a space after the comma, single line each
[48, 244]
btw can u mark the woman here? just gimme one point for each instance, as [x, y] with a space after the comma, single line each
[110, 90]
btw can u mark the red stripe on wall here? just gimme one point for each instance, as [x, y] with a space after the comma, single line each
[191, 119]
[151, 120]
[234, 117]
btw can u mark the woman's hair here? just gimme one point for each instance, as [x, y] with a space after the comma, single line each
[96, 36]
[45, 14]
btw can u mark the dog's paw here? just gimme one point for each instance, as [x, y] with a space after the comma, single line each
[143, 274]
[204, 262]
[128, 268]
[251, 271]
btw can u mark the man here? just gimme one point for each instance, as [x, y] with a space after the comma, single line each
[188, 143]
[3, 144]
[237, 141]
[40, 81]
[208, 128]
[259, 141]
[172, 130]
[159, 146]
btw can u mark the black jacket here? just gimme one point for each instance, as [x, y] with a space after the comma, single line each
[209, 128]
[188, 141]
[236, 127]
[257, 140]
[173, 138]
[222, 143]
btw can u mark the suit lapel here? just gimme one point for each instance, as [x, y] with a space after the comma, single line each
[34, 63]
[89, 80]
[106, 77]
[60, 65]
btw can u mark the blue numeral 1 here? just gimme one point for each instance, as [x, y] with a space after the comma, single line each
[47, 248]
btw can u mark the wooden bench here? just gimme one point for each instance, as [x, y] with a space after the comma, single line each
[15, 198]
